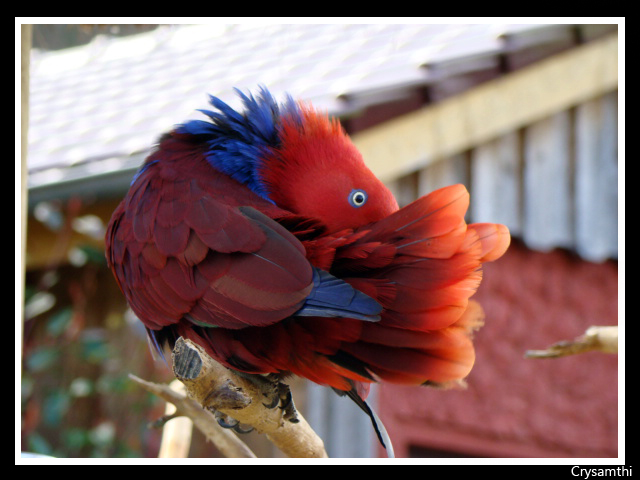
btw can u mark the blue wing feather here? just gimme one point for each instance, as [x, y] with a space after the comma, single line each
[332, 297]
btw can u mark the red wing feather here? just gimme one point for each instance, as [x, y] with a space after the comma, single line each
[177, 251]
[432, 266]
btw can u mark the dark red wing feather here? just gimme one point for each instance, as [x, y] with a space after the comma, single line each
[179, 251]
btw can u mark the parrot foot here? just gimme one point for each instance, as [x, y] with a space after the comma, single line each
[225, 421]
[286, 401]
[276, 393]
[279, 394]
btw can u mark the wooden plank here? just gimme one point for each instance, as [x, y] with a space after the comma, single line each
[596, 178]
[345, 429]
[411, 142]
[445, 172]
[496, 182]
[404, 189]
[548, 200]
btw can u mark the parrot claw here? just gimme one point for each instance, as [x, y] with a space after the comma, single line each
[242, 428]
[286, 399]
[225, 421]
[276, 392]
[280, 395]
[275, 401]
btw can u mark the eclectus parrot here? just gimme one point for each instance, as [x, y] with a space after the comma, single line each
[262, 236]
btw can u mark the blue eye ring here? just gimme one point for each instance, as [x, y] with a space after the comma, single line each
[357, 198]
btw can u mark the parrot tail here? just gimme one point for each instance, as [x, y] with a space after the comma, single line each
[378, 426]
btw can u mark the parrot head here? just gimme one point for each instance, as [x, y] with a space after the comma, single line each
[297, 158]
[318, 171]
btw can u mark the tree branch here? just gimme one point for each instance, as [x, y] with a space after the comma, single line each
[225, 441]
[216, 387]
[176, 435]
[602, 339]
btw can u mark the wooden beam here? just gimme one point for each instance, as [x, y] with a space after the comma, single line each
[411, 142]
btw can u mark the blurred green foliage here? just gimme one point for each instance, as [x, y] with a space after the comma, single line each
[79, 347]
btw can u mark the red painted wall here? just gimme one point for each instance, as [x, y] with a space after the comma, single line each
[517, 407]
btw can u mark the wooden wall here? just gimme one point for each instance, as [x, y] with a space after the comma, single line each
[554, 183]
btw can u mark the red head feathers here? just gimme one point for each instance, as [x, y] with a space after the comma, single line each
[318, 172]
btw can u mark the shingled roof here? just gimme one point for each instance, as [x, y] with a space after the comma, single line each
[95, 110]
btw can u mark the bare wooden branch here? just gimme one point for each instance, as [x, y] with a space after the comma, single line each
[176, 434]
[225, 441]
[214, 386]
[601, 339]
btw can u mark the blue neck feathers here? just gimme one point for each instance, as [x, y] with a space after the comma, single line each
[237, 142]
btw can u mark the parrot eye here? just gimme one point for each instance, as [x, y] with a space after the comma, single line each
[357, 198]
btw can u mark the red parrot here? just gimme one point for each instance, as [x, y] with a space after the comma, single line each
[263, 237]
